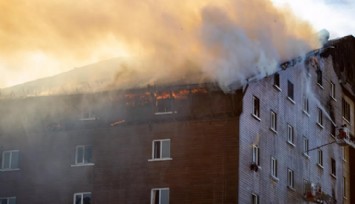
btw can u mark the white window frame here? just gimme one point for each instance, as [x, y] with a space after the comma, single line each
[305, 146]
[255, 199]
[82, 197]
[305, 105]
[11, 152]
[256, 155]
[274, 167]
[273, 121]
[320, 117]
[152, 194]
[320, 158]
[291, 87]
[332, 90]
[256, 110]
[290, 178]
[9, 199]
[290, 135]
[82, 161]
[160, 157]
[346, 110]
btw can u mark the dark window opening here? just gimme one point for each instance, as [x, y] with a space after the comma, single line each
[256, 106]
[319, 77]
[333, 166]
[277, 80]
[290, 90]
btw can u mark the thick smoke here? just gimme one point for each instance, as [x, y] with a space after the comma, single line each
[224, 40]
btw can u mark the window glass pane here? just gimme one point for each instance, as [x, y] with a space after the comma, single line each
[164, 197]
[79, 155]
[157, 149]
[3, 201]
[6, 160]
[166, 149]
[12, 200]
[88, 154]
[87, 198]
[15, 160]
[78, 199]
[155, 197]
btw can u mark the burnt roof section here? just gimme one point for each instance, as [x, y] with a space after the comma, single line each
[342, 51]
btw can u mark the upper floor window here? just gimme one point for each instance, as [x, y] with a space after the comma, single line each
[161, 149]
[290, 178]
[344, 187]
[290, 93]
[320, 117]
[273, 120]
[273, 167]
[164, 103]
[290, 134]
[333, 167]
[332, 90]
[277, 81]
[256, 106]
[319, 77]
[255, 199]
[159, 196]
[82, 198]
[83, 154]
[320, 158]
[256, 155]
[305, 145]
[346, 110]
[10, 160]
[305, 104]
[8, 200]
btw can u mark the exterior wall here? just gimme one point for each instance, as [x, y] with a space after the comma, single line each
[274, 144]
[204, 143]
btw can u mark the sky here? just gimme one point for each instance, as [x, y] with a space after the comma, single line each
[41, 38]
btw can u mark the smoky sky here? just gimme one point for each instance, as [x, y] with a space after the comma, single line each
[225, 40]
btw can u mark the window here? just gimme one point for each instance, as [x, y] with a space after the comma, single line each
[290, 90]
[273, 167]
[305, 145]
[256, 107]
[320, 158]
[346, 110]
[332, 130]
[290, 178]
[273, 121]
[255, 198]
[333, 167]
[9, 200]
[161, 149]
[344, 187]
[277, 81]
[159, 196]
[332, 90]
[10, 160]
[82, 198]
[319, 77]
[305, 104]
[164, 106]
[256, 155]
[83, 154]
[290, 135]
[320, 117]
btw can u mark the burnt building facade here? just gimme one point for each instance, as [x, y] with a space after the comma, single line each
[271, 141]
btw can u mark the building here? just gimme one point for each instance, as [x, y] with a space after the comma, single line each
[274, 140]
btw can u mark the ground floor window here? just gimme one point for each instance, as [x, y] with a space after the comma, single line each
[159, 196]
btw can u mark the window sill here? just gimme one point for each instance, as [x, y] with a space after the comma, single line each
[320, 86]
[320, 125]
[277, 88]
[306, 113]
[162, 159]
[291, 100]
[346, 120]
[3, 170]
[165, 113]
[291, 188]
[89, 118]
[274, 178]
[273, 130]
[290, 143]
[333, 176]
[306, 155]
[256, 117]
[320, 166]
[334, 99]
[78, 165]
